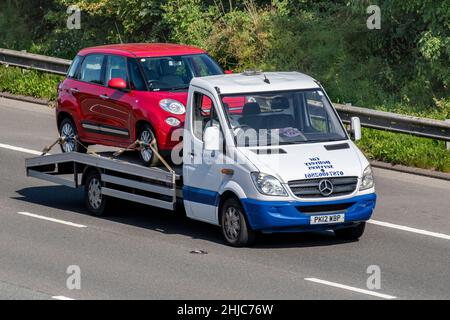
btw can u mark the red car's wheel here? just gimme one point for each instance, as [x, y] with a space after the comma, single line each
[68, 130]
[148, 157]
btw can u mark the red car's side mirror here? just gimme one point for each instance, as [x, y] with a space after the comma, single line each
[117, 83]
[228, 71]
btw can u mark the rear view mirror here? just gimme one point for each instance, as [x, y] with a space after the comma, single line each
[211, 138]
[117, 83]
[355, 128]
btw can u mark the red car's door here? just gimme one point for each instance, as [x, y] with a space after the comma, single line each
[115, 110]
[105, 112]
[87, 91]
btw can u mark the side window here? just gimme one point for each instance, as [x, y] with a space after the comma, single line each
[91, 69]
[74, 67]
[116, 67]
[318, 116]
[137, 82]
[204, 115]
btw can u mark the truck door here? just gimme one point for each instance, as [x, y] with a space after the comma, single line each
[201, 168]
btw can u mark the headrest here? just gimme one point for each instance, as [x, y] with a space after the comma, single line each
[280, 103]
[251, 108]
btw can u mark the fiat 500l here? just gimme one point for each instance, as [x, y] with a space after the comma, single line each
[116, 94]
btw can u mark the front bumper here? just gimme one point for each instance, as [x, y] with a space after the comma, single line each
[287, 216]
[166, 135]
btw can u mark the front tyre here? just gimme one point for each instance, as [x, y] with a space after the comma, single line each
[148, 157]
[351, 233]
[68, 130]
[235, 228]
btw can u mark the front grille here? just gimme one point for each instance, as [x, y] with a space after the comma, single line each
[310, 188]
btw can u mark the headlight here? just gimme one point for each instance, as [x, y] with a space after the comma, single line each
[172, 106]
[268, 185]
[367, 179]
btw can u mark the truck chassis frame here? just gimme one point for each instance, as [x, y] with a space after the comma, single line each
[120, 179]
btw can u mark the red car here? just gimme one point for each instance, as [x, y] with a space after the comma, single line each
[116, 94]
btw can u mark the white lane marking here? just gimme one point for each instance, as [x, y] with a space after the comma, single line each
[52, 219]
[61, 298]
[409, 229]
[343, 286]
[20, 149]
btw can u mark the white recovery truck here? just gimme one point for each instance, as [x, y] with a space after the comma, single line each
[260, 153]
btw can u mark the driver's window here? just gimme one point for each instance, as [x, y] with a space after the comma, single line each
[116, 68]
[204, 114]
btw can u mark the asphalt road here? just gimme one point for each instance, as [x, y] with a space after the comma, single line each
[145, 253]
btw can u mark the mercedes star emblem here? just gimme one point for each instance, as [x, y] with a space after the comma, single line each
[325, 187]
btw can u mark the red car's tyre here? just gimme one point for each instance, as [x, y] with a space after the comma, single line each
[68, 129]
[148, 157]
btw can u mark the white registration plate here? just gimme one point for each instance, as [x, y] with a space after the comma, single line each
[330, 218]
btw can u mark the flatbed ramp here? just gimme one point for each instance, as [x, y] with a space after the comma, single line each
[121, 179]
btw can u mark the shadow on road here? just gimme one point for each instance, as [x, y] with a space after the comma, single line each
[58, 197]
[163, 221]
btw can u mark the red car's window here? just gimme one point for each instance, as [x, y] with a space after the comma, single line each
[116, 67]
[176, 72]
[91, 69]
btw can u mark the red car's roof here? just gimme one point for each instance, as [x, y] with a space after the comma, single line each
[142, 50]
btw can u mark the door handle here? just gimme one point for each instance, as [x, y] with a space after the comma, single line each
[74, 90]
[104, 97]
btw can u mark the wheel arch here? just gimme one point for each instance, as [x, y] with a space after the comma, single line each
[230, 190]
[63, 115]
[86, 171]
[138, 127]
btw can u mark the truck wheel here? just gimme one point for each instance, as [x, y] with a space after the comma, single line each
[95, 201]
[235, 228]
[68, 129]
[351, 233]
[148, 158]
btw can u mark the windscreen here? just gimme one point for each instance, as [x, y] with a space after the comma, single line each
[176, 72]
[289, 117]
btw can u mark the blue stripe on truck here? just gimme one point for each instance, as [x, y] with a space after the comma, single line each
[199, 195]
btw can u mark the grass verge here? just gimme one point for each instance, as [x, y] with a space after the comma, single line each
[29, 82]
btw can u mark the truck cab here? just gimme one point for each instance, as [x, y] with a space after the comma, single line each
[267, 152]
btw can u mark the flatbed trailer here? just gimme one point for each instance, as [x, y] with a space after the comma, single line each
[119, 178]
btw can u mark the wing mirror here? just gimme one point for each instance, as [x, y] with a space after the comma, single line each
[211, 138]
[117, 83]
[355, 128]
